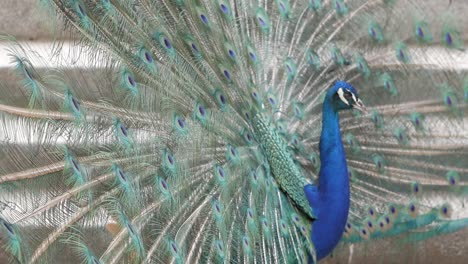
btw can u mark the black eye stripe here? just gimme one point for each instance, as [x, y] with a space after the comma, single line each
[346, 95]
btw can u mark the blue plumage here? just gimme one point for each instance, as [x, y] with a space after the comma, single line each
[330, 200]
[217, 132]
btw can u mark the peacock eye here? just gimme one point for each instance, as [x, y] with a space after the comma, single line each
[346, 96]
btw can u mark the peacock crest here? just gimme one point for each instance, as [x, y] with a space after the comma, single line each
[235, 131]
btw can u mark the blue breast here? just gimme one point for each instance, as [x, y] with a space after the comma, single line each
[330, 199]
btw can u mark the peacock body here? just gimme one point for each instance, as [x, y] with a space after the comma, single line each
[209, 131]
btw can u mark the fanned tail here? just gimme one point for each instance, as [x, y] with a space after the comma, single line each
[150, 152]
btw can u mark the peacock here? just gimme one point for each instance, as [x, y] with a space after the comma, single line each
[234, 131]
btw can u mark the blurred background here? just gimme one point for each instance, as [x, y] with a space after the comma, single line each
[22, 19]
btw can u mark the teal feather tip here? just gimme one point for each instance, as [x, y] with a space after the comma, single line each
[233, 131]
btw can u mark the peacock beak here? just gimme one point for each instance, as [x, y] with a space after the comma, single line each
[360, 106]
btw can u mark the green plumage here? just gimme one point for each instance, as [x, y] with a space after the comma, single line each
[185, 131]
[282, 165]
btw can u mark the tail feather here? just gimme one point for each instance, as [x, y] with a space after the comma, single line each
[152, 147]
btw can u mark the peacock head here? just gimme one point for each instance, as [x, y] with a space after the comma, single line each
[343, 96]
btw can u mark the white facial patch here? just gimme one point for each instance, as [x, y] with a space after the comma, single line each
[341, 95]
[354, 97]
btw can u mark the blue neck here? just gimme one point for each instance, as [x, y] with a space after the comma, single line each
[333, 169]
[332, 202]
